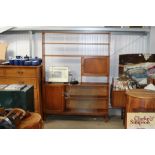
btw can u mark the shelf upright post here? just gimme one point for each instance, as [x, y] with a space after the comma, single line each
[109, 47]
[43, 56]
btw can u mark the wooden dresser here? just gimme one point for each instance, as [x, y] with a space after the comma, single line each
[24, 75]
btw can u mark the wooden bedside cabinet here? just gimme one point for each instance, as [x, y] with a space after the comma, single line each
[24, 75]
[118, 98]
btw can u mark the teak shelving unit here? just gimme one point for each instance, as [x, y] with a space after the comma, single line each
[85, 98]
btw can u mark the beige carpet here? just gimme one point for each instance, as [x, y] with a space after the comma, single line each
[82, 122]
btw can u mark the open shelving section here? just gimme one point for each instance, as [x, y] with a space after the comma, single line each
[87, 55]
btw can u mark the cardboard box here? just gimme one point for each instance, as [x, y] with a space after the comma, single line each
[141, 120]
[3, 49]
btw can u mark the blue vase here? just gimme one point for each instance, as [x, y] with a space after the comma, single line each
[22, 61]
[28, 63]
[39, 60]
[35, 63]
[17, 62]
[11, 61]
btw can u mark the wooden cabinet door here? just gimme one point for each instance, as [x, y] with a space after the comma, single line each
[54, 97]
[118, 99]
[95, 66]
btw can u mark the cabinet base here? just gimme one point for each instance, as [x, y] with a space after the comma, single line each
[81, 112]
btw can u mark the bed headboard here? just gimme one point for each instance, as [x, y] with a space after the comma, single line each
[134, 59]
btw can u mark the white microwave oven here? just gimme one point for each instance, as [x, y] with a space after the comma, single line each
[58, 74]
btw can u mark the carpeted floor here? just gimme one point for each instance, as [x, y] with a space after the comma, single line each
[82, 122]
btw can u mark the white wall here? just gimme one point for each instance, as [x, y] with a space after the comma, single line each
[126, 43]
[18, 44]
[152, 40]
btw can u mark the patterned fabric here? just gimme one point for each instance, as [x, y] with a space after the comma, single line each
[137, 72]
[151, 72]
[140, 72]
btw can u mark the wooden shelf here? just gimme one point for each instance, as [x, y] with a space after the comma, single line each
[60, 55]
[91, 84]
[80, 112]
[98, 112]
[55, 55]
[77, 43]
[77, 85]
[79, 97]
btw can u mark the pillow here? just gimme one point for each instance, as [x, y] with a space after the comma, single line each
[137, 72]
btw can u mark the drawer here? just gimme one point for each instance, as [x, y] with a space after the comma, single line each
[87, 90]
[20, 72]
[31, 81]
[1, 72]
[86, 104]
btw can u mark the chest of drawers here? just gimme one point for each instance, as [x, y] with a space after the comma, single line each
[24, 75]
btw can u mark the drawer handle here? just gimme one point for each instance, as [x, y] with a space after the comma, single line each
[20, 72]
[21, 82]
